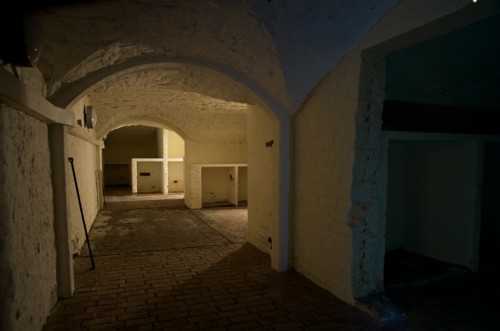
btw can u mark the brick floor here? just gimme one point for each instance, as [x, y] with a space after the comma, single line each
[222, 285]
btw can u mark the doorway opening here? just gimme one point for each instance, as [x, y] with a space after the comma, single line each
[143, 162]
[431, 218]
[444, 112]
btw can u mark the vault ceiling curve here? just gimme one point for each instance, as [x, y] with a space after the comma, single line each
[84, 38]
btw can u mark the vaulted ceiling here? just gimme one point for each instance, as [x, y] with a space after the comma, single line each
[188, 59]
[201, 61]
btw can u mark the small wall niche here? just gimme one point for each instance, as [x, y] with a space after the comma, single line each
[219, 185]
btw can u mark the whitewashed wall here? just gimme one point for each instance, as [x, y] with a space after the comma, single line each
[27, 247]
[85, 160]
[262, 177]
[324, 157]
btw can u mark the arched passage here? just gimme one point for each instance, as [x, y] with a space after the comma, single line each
[277, 230]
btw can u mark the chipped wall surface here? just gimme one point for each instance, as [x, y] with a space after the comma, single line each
[216, 185]
[262, 177]
[175, 145]
[27, 248]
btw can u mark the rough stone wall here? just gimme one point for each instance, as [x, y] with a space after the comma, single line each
[84, 156]
[262, 199]
[367, 201]
[27, 248]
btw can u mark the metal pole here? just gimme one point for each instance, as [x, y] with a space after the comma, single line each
[81, 212]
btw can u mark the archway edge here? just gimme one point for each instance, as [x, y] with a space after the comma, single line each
[69, 93]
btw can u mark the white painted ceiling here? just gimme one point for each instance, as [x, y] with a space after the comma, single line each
[192, 56]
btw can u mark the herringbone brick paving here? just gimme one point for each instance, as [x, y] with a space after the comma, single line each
[228, 286]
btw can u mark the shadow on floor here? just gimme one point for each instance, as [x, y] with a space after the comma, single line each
[441, 296]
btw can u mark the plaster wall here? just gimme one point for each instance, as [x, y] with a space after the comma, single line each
[175, 177]
[215, 152]
[175, 168]
[85, 162]
[263, 175]
[432, 200]
[84, 149]
[162, 143]
[175, 145]
[27, 249]
[216, 185]
[338, 207]
[123, 154]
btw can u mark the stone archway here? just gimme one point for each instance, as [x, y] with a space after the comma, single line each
[277, 231]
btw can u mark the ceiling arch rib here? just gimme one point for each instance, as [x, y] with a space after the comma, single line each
[69, 93]
[199, 117]
[107, 34]
[139, 88]
[192, 98]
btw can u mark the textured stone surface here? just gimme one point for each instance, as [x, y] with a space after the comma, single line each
[27, 250]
